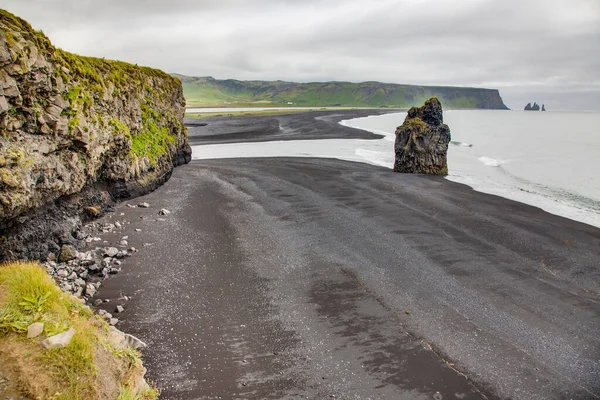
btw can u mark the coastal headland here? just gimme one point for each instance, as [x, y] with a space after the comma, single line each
[318, 278]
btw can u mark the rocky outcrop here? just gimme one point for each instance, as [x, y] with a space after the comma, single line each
[543, 107]
[534, 107]
[422, 141]
[76, 132]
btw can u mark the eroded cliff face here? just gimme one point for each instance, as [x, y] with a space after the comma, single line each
[70, 124]
[421, 145]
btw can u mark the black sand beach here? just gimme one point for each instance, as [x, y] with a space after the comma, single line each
[292, 126]
[312, 278]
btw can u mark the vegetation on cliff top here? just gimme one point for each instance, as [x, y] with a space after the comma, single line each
[85, 369]
[209, 92]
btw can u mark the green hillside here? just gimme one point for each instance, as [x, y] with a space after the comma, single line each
[210, 92]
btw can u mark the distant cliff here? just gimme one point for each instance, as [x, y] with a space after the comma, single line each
[70, 124]
[207, 92]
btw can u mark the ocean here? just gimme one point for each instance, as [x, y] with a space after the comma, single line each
[547, 159]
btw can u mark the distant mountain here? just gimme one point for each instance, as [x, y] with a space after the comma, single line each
[210, 92]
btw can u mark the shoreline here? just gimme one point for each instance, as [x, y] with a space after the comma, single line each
[294, 126]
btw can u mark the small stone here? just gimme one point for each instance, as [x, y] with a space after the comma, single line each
[119, 309]
[437, 396]
[164, 211]
[117, 262]
[62, 273]
[59, 341]
[79, 282]
[110, 251]
[97, 302]
[118, 224]
[132, 249]
[90, 290]
[72, 276]
[144, 205]
[94, 268]
[113, 321]
[138, 230]
[93, 211]
[107, 315]
[102, 312]
[125, 238]
[131, 205]
[51, 257]
[123, 243]
[35, 330]
[67, 253]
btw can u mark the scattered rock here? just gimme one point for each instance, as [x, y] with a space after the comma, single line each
[164, 211]
[59, 341]
[93, 211]
[119, 309]
[110, 251]
[123, 243]
[97, 302]
[123, 340]
[113, 321]
[35, 330]
[138, 230]
[144, 205]
[90, 290]
[67, 253]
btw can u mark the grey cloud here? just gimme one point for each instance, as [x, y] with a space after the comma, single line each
[521, 47]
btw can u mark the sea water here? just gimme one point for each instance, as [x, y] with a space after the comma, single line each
[547, 159]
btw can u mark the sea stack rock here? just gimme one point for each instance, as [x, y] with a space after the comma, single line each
[422, 141]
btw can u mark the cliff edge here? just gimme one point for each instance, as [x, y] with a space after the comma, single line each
[76, 132]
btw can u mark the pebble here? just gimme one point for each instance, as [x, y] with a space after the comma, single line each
[119, 309]
[97, 302]
[113, 321]
[164, 211]
[138, 230]
[144, 205]
[110, 251]
[123, 243]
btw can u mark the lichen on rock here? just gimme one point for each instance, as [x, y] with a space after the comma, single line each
[422, 141]
[69, 122]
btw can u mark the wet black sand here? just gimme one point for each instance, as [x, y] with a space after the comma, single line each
[310, 278]
[292, 126]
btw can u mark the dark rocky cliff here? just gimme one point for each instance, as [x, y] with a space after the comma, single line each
[74, 132]
[422, 141]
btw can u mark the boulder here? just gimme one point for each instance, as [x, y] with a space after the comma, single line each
[422, 141]
[67, 253]
[34, 330]
[59, 341]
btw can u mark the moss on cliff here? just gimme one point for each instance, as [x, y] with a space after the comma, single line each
[80, 119]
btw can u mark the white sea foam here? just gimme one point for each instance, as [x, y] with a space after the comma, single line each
[491, 162]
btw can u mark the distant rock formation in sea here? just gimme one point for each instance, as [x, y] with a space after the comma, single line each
[534, 107]
[422, 141]
[543, 107]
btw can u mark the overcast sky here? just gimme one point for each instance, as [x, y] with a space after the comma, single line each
[532, 50]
